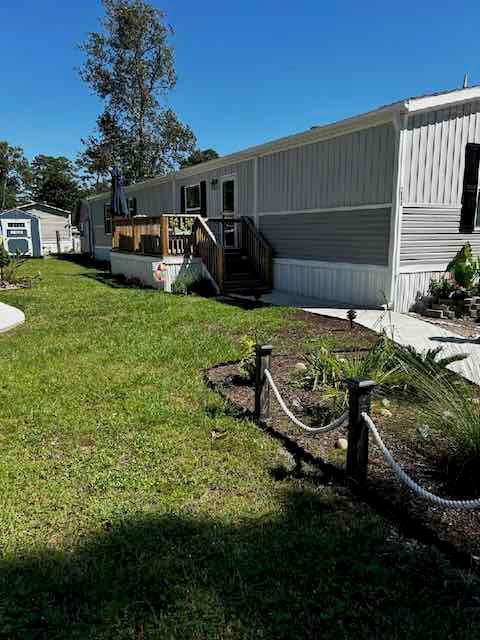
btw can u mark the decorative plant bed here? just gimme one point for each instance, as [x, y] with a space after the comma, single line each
[417, 452]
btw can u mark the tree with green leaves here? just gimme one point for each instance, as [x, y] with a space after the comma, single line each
[198, 156]
[54, 181]
[14, 175]
[130, 65]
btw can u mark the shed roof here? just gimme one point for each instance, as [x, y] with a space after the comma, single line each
[18, 213]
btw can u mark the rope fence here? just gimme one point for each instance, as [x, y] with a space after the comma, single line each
[409, 482]
[342, 421]
[359, 423]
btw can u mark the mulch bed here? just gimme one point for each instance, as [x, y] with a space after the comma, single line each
[456, 531]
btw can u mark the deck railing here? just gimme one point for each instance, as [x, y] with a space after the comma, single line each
[208, 239]
[164, 235]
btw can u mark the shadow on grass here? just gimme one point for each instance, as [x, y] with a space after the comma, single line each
[83, 260]
[321, 569]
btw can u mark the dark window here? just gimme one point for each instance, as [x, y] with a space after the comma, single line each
[132, 206]
[107, 218]
[470, 217]
[192, 198]
[16, 225]
[228, 196]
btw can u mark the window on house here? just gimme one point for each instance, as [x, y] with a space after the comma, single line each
[192, 198]
[107, 218]
[470, 216]
[228, 195]
[132, 206]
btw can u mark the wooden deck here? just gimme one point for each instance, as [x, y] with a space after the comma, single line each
[236, 255]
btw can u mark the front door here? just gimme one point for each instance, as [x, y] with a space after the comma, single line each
[230, 230]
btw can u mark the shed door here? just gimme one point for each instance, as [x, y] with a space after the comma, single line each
[17, 236]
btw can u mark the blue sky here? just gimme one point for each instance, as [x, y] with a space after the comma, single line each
[248, 71]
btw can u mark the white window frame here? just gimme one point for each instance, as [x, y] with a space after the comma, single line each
[230, 178]
[195, 209]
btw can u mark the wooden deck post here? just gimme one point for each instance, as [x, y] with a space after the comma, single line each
[360, 395]
[164, 235]
[262, 388]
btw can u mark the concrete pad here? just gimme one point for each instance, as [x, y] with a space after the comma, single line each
[402, 328]
[10, 317]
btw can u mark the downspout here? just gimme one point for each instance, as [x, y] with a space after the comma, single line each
[400, 126]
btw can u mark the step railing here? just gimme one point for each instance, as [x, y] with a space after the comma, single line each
[211, 252]
[257, 250]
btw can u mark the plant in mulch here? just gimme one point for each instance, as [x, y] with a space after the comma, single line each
[246, 366]
[451, 409]
[327, 370]
[441, 289]
[465, 268]
[429, 361]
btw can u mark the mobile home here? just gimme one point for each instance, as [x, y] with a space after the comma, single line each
[361, 211]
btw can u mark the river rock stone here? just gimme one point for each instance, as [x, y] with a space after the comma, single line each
[342, 444]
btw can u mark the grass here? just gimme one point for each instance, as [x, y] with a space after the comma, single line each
[123, 517]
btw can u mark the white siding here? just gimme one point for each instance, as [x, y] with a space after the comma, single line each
[361, 285]
[435, 153]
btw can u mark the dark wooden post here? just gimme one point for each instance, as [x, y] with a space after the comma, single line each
[360, 395]
[262, 388]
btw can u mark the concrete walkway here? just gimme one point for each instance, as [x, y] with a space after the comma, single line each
[10, 317]
[404, 329]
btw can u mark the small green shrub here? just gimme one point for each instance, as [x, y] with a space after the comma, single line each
[441, 288]
[10, 267]
[187, 284]
[246, 366]
[465, 267]
[327, 371]
[429, 362]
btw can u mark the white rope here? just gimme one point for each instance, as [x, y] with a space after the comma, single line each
[411, 484]
[338, 422]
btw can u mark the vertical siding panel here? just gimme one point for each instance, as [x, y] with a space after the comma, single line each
[422, 145]
[414, 160]
[429, 152]
[408, 163]
[443, 155]
[437, 145]
[452, 126]
[459, 134]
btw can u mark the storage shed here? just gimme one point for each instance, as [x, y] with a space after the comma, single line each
[20, 233]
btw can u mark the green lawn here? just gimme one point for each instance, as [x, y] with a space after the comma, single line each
[122, 517]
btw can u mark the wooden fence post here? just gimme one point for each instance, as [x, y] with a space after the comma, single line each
[164, 235]
[360, 395]
[262, 388]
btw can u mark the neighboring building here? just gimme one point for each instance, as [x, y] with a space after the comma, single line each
[57, 233]
[37, 229]
[20, 233]
[360, 211]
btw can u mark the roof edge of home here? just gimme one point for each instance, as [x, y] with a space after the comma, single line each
[372, 118]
